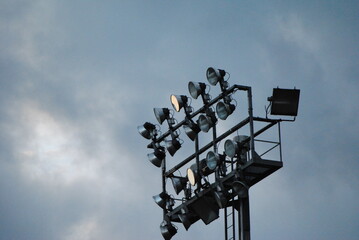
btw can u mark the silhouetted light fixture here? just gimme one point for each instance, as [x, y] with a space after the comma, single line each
[232, 147]
[156, 157]
[284, 102]
[161, 199]
[168, 230]
[191, 129]
[224, 110]
[212, 160]
[147, 130]
[161, 114]
[178, 101]
[172, 145]
[240, 188]
[179, 183]
[187, 217]
[207, 121]
[220, 198]
[206, 208]
[215, 75]
[196, 88]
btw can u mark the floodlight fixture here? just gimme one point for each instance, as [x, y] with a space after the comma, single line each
[168, 230]
[191, 129]
[178, 101]
[205, 208]
[204, 122]
[187, 217]
[224, 110]
[147, 130]
[284, 102]
[220, 198]
[161, 199]
[172, 145]
[240, 189]
[156, 158]
[192, 172]
[233, 147]
[161, 114]
[179, 183]
[215, 75]
[212, 160]
[207, 121]
[196, 88]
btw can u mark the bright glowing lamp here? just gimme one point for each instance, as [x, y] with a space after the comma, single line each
[178, 101]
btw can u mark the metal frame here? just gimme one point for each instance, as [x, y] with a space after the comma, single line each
[251, 172]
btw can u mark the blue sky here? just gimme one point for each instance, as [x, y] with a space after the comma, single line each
[78, 77]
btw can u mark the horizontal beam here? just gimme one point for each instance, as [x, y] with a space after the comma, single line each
[170, 172]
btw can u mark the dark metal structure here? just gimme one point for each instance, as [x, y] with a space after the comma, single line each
[220, 180]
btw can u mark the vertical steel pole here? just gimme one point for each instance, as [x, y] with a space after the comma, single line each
[245, 220]
[280, 142]
[225, 224]
[164, 182]
[251, 125]
[199, 176]
[215, 149]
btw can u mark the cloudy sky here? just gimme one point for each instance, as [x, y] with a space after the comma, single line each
[78, 77]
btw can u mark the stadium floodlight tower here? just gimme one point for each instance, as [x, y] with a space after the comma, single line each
[216, 180]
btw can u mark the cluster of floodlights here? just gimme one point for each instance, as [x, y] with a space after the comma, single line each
[204, 122]
[206, 207]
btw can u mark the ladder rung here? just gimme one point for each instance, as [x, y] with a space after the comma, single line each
[229, 214]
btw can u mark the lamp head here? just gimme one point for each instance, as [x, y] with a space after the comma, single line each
[224, 110]
[205, 123]
[161, 114]
[285, 102]
[156, 157]
[168, 230]
[161, 199]
[215, 75]
[240, 188]
[179, 183]
[178, 101]
[191, 129]
[196, 88]
[147, 130]
[212, 160]
[172, 146]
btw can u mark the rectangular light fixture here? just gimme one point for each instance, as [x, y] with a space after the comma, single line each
[284, 102]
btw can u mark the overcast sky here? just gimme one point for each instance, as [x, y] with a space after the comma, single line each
[78, 77]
